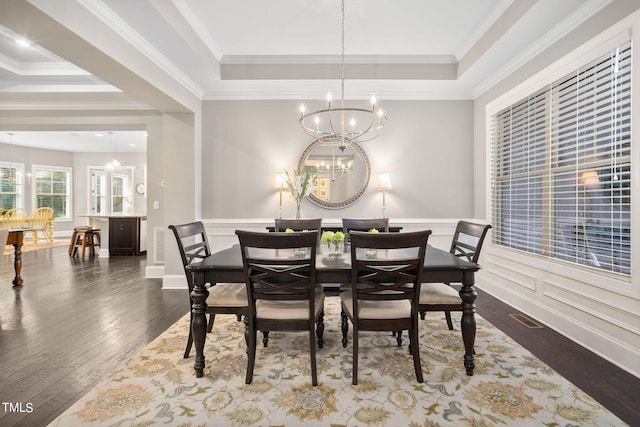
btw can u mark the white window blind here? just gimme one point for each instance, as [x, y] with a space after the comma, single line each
[561, 167]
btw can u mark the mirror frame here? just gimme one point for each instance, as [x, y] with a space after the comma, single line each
[358, 149]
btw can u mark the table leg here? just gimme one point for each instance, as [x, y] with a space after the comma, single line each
[199, 324]
[468, 325]
[17, 264]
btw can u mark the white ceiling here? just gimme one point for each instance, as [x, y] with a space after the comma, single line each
[284, 49]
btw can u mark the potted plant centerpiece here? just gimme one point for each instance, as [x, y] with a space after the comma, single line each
[333, 240]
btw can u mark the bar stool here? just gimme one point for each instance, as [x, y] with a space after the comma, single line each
[84, 237]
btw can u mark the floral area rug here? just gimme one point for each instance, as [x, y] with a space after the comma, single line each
[510, 386]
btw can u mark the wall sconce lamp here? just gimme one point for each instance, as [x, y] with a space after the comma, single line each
[384, 184]
[279, 183]
[590, 180]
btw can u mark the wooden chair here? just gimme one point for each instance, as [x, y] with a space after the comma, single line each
[466, 243]
[224, 298]
[15, 218]
[385, 288]
[40, 221]
[380, 224]
[281, 288]
[299, 225]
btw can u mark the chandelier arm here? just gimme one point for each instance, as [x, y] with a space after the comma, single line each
[333, 130]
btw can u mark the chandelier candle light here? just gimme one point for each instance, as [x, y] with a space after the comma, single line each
[364, 123]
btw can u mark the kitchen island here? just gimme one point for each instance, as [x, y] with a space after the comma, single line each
[121, 234]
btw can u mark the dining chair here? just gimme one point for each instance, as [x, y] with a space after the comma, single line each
[224, 298]
[466, 243]
[385, 288]
[281, 289]
[299, 225]
[380, 224]
[16, 218]
[39, 221]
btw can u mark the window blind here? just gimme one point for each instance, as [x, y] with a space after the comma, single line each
[561, 167]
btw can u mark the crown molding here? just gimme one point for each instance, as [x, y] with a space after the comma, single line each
[336, 59]
[555, 34]
[41, 68]
[126, 32]
[74, 106]
[399, 95]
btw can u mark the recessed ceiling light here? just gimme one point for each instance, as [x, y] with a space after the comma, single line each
[98, 134]
[132, 145]
[23, 42]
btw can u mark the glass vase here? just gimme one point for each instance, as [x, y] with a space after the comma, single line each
[335, 248]
[299, 214]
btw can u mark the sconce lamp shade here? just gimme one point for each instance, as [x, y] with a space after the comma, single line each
[384, 181]
[279, 182]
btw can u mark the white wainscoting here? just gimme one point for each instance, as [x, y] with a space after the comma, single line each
[596, 309]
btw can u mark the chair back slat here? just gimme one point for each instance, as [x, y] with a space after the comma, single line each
[298, 224]
[468, 239]
[307, 224]
[193, 245]
[380, 224]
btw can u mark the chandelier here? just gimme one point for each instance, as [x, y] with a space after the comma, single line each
[334, 166]
[340, 123]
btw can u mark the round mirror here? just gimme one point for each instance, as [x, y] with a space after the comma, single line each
[342, 170]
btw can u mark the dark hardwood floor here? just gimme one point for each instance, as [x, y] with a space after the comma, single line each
[72, 323]
[75, 320]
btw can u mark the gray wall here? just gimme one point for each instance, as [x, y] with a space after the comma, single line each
[427, 147]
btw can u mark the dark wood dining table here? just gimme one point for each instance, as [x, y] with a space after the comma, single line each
[226, 266]
[16, 238]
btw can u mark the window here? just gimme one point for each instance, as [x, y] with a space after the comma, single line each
[53, 189]
[119, 186]
[561, 167]
[98, 185]
[11, 188]
[110, 190]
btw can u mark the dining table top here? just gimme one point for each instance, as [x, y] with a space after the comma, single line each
[230, 260]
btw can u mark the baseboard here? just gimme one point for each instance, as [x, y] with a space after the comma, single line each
[154, 271]
[177, 281]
